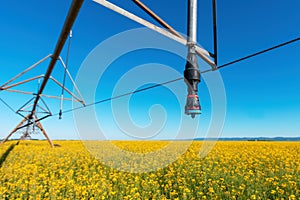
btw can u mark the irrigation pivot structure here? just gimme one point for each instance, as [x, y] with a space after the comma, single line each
[191, 72]
[31, 118]
[192, 75]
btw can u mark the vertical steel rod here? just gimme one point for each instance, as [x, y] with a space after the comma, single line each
[72, 15]
[192, 21]
[214, 7]
[192, 72]
[201, 52]
[165, 24]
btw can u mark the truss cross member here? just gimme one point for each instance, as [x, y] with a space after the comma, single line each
[14, 130]
[27, 133]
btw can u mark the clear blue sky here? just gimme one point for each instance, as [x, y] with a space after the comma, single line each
[263, 96]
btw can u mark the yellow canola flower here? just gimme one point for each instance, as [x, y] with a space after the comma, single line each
[232, 170]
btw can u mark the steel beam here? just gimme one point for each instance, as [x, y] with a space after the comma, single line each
[67, 90]
[43, 95]
[202, 52]
[26, 70]
[73, 82]
[157, 18]
[72, 15]
[21, 82]
[39, 125]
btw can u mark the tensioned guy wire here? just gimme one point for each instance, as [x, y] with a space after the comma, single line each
[65, 74]
[260, 52]
[123, 95]
[255, 54]
[181, 78]
[171, 81]
[7, 105]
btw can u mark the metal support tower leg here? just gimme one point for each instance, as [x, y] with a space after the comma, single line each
[44, 132]
[38, 124]
[14, 130]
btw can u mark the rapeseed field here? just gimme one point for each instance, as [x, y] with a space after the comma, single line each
[232, 170]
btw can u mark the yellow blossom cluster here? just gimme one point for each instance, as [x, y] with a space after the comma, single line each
[232, 170]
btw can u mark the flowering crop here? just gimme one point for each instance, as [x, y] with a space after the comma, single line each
[232, 170]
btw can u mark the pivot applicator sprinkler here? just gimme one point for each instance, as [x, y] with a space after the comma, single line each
[192, 72]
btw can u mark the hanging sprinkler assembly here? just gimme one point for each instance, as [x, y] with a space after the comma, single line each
[192, 72]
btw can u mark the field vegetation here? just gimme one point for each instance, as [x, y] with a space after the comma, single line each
[232, 170]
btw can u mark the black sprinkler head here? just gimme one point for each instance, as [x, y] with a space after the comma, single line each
[192, 106]
[192, 78]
